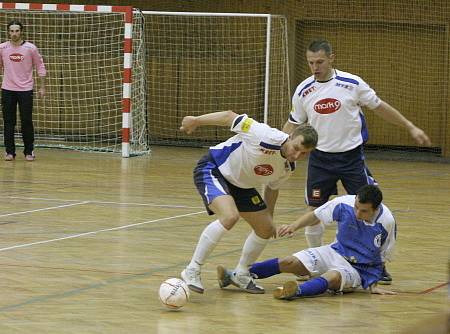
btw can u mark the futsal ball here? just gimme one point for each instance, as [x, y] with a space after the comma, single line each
[173, 293]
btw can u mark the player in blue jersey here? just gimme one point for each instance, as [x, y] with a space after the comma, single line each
[365, 238]
[226, 178]
[330, 100]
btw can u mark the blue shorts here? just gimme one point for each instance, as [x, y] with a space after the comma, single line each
[326, 169]
[210, 184]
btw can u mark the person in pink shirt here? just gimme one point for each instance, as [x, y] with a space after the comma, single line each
[17, 59]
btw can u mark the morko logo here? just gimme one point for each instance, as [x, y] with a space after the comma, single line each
[327, 106]
[263, 170]
[17, 57]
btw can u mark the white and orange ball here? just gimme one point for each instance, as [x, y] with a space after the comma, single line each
[174, 293]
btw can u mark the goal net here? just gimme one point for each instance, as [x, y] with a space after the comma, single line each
[205, 62]
[95, 60]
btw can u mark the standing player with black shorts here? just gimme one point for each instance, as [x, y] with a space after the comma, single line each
[226, 178]
[330, 100]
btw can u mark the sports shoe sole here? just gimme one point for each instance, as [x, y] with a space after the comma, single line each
[251, 288]
[287, 291]
[222, 277]
[191, 286]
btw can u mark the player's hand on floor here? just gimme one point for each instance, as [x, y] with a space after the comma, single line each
[379, 291]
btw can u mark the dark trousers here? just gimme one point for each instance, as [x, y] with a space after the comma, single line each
[10, 100]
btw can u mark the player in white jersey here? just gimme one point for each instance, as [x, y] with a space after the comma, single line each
[365, 238]
[226, 179]
[330, 100]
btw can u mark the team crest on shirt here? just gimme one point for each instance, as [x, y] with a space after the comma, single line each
[16, 57]
[327, 106]
[377, 241]
[246, 125]
[263, 170]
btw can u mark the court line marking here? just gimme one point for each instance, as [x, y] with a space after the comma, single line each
[102, 202]
[134, 203]
[43, 209]
[117, 228]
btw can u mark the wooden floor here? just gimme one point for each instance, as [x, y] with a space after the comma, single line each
[87, 238]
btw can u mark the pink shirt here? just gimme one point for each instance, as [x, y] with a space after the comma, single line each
[17, 63]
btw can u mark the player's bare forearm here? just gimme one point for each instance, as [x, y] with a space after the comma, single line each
[393, 116]
[220, 118]
[41, 83]
[307, 219]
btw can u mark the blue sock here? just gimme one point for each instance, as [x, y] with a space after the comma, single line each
[266, 268]
[315, 286]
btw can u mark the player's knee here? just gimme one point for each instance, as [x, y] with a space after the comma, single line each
[265, 232]
[230, 219]
[334, 279]
[290, 264]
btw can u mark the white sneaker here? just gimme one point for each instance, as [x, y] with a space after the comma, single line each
[246, 282]
[192, 278]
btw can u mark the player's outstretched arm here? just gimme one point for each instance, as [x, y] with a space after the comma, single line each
[392, 115]
[306, 220]
[220, 118]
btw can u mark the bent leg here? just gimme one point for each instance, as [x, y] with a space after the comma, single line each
[228, 215]
[263, 230]
[313, 287]
[271, 267]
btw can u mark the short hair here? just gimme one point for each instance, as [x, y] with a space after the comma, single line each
[370, 194]
[320, 44]
[310, 136]
[15, 22]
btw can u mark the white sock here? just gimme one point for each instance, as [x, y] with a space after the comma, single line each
[252, 249]
[314, 235]
[208, 240]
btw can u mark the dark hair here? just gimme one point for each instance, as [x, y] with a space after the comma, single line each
[309, 134]
[370, 194]
[15, 22]
[320, 44]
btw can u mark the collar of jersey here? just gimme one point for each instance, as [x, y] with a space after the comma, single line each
[332, 77]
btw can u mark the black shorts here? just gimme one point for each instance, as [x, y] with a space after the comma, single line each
[210, 184]
[326, 169]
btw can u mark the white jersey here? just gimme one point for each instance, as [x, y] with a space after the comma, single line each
[333, 108]
[252, 157]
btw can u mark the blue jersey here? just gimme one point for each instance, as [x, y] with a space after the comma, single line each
[365, 245]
